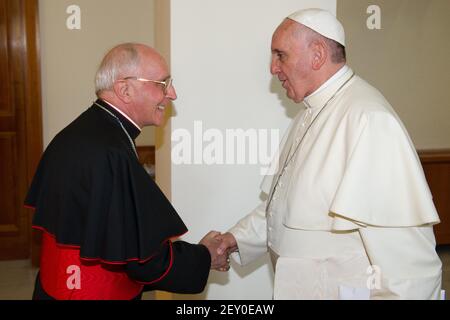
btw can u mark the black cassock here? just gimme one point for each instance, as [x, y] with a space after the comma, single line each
[90, 193]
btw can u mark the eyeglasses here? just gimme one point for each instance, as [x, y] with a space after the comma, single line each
[167, 83]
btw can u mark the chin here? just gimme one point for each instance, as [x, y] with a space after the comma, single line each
[154, 124]
[157, 119]
[291, 96]
[158, 122]
[294, 97]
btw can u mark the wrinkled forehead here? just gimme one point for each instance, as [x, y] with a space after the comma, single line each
[288, 32]
[286, 27]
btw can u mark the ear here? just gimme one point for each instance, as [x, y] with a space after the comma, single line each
[320, 54]
[123, 91]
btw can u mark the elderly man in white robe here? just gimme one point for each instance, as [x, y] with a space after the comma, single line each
[349, 214]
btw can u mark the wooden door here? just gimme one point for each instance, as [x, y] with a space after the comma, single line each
[20, 122]
[436, 165]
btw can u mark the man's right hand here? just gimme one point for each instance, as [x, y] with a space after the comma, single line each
[212, 242]
[227, 246]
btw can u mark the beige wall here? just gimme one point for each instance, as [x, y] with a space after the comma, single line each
[70, 57]
[407, 60]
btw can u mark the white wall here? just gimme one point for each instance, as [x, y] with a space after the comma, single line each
[69, 58]
[220, 55]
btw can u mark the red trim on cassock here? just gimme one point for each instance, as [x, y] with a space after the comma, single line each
[165, 272]
[64, 276]
[99, 260]
[44, 231]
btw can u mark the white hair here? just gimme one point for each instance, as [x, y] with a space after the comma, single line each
[120, 62]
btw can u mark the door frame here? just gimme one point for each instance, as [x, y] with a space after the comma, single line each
[33, 106]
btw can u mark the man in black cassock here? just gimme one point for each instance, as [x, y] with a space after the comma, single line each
[107, 227]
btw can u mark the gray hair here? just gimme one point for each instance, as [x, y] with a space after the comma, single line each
[337, 50]
[120, 62]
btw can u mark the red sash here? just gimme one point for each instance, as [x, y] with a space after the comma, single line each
[64, 276]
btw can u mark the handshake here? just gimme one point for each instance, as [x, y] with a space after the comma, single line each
[220, 247]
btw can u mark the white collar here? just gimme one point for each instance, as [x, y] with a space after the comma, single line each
[123, 114]
[327, 83]
[333, 85]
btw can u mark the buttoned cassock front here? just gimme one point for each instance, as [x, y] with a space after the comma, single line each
[350, 209]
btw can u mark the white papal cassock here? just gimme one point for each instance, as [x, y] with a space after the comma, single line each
[350, 213]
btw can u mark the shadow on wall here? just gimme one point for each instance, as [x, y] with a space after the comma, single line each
[223, 278]
[291, 108]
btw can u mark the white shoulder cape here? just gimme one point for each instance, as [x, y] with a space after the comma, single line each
[356, 166]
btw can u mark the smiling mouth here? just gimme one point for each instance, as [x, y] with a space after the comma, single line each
[162, 108]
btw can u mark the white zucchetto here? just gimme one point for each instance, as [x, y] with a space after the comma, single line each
[322, 22]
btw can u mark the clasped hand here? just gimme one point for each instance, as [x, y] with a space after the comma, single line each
[220, 247]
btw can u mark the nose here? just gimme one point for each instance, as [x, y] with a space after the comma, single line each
[171, 94]
[274, 66]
